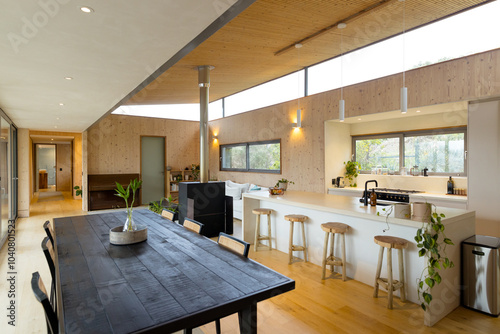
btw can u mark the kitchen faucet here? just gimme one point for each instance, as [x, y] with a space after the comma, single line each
[365, 199]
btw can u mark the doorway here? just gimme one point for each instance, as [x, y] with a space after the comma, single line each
[152, 168]
[45, 170]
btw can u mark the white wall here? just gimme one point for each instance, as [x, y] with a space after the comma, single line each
[484, 166]
[337, 150]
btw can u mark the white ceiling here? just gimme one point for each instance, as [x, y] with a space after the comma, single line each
[108, 53]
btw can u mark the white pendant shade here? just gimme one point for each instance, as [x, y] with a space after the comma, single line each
[404, 100]
[341, 110]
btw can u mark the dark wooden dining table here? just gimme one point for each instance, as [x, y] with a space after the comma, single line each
[176, 279]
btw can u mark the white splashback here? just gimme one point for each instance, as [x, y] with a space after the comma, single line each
[430, 184]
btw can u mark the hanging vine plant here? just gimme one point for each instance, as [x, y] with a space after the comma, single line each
[432, 241]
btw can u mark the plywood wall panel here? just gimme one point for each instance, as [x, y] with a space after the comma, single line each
[469, 78]
[114, 143]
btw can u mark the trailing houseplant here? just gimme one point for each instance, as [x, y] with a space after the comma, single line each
[431, 242]
[125, 194]
[351, 172]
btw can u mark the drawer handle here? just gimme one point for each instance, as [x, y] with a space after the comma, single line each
[478, 253]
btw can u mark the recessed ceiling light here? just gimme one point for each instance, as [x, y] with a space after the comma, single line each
[418, 110]
[359, 119]
[51, 138]
[61, 104]
[57, 118]
[68, 78]
[86, 9]
[55, 126]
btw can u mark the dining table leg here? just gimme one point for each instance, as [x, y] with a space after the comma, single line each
[248, 319]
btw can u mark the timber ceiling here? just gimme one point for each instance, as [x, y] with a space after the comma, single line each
[244, 52]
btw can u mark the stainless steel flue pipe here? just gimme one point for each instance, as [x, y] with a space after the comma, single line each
[204, 84]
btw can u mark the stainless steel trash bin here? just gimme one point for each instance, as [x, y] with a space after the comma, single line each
[481, 274]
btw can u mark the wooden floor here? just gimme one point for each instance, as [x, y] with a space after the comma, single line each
[315, 306]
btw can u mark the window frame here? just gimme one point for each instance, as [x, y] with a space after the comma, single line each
[416, 133]
[247, 148]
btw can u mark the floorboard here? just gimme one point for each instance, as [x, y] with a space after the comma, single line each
[315, 306]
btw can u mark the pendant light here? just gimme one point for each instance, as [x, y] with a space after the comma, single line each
[404, 91]
[299, 116]
[341, 102]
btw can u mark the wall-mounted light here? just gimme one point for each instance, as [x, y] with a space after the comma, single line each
[299, 119]
[215, 137]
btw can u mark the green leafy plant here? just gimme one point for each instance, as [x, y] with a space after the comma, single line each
[351, 171]
[125, 194]
[283, 181]
[157, 206]
[195, 170]
[431, 242]
[78, 191]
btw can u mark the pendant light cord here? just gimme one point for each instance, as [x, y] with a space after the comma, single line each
[341, 67]
[298, 46]
[404, 27]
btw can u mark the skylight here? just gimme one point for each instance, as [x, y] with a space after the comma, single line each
[457, 36]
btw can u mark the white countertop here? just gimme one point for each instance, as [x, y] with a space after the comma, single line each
[350, 206]
[419, 196]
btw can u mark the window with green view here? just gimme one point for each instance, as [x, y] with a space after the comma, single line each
[442, 151]
[262, 157]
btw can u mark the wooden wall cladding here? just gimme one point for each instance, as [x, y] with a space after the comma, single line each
[468, 78]
[114, 144]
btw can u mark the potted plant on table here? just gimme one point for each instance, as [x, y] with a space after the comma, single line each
[125, 194]
[195, 170]
[351, 172]
[283, 183]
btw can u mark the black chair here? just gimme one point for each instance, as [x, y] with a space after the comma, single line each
[48, 251]
[236, 245]
[41, 295]
[239, 246]
[193, 225]
[48, 229]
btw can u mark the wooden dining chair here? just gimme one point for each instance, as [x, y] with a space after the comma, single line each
[48, 251]
[41, 295]
[239, 246]
[168, 214]
[48, 229]
[193, 225]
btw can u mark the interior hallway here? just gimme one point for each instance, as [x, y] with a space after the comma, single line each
[315, 306]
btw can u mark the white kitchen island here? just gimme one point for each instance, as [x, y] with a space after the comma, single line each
[361, 251]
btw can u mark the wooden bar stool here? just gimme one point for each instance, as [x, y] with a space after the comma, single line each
[258, 236]
[296, 248]
[330, 230]
[388, 283]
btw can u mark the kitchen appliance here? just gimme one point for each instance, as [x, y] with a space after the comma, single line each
[481, 274]
[338, 182]
[389, 195]
[415, 171]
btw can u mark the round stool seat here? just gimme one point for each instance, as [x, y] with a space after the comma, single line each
[262, 211]
[390, 242]
[335, 227]
[296, 218]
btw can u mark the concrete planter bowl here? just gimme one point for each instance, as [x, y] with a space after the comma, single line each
[120, 238]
